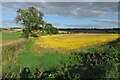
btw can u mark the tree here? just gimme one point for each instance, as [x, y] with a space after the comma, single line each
[31, 19]
[50, 29]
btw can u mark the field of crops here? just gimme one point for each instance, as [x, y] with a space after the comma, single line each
[72, 41]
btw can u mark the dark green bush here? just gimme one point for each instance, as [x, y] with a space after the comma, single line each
[26, 33]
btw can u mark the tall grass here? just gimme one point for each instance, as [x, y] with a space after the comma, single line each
[9, 50]
[10, 53]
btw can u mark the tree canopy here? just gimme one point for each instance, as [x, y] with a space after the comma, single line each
[50, 29]
[31, 19]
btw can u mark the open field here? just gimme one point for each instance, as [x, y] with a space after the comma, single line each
[44, 52]
[73, 41]
[8, 36]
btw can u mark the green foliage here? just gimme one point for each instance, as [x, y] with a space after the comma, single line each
[50, 29]
[35, 33]
[31, 19]
[26, 33]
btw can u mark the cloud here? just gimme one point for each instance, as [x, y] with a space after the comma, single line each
[61, 25]
[107, 21]
[58, 24]
[81, 10]
[60, 0]
[90, 25]
[8, 23]
[78, 10]
[73, 9]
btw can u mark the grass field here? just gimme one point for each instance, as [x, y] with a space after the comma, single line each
[72, 41]
[7, 36]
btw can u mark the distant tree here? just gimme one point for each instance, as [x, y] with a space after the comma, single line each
[50, 29]
[31, 19]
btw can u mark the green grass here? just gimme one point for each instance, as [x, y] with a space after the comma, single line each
[45, 61]
[10, 35]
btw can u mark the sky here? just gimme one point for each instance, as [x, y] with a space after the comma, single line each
[66, 14]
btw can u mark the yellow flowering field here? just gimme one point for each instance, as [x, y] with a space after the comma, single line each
[72, 41]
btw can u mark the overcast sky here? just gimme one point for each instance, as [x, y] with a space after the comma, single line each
[67, 14]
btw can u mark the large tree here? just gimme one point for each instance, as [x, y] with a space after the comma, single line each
[31, 19]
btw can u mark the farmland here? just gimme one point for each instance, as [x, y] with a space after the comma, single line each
[8, 36]
[60, 41]
[51, 51]
[72, 41]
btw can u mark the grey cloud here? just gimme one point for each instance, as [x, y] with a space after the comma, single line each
[107, 21]
[82, 9]
[90, 25]
[8, 23]
[59, 0]
[73, 9]
[57, 24]
[60, 25]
